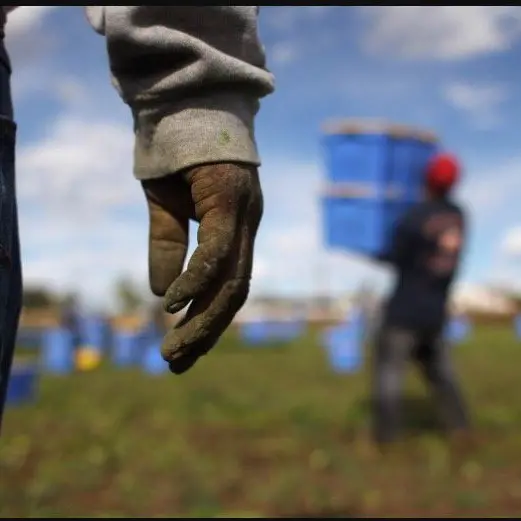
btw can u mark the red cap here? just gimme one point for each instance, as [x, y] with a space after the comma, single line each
[443, 172]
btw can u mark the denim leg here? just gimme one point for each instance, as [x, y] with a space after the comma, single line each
[10, 267]
[436, 364]
[12, 315]
[393, 350]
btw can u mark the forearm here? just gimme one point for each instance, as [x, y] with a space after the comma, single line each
[193, 77]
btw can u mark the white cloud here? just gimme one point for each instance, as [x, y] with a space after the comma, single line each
[287, 18]
[504, 273]
[283, 53]
[479, 102]
[441, 32]
[490, 194]
[24, 20]
[84, 167]
[26, 39]
[288, 22]
[291, 257]
[294, 261]
[69, 91]
[510, 245]
[83, 216]
[280, 18]
[489, 189]
[31, 47]
[84, 266]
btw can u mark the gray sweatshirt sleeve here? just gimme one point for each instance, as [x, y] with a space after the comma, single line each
[192, 76]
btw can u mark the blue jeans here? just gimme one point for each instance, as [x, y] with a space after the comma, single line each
[395, 347]
[10, 264]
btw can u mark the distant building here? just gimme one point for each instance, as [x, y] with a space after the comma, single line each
[480, 299]
[323, 308]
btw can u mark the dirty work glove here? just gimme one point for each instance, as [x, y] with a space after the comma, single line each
[226, 199]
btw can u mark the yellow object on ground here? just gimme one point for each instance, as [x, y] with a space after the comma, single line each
[87, 358]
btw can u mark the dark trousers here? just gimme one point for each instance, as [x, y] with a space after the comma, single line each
[10, 269]
[395, 347]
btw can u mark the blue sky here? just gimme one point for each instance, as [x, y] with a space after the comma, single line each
[454, 70]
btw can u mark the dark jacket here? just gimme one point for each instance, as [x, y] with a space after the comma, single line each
[425, 251]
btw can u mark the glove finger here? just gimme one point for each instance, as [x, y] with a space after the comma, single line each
[210, 315]
[207, 318]
[168, 243]
[218, 203]
[215, 241]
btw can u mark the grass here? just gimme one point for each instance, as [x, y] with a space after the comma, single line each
[260, 432]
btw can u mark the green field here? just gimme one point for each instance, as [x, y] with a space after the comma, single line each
[260, 432]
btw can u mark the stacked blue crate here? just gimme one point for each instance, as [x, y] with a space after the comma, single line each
[373, 174]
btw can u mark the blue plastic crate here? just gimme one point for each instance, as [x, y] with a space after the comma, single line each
[126, 348]
[256, 333]
[423, 153]
[458, 329]
[286, 330]
[94, 332]
[408, 158]
[268, 331]
[23, 385]
[358, 158]
[357, 320]
[152, 362]
[57, 351]
[344, 349]
[355, 225]
[372, 177]
[517, 326]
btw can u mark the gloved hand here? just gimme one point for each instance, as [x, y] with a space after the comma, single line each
[226, 199]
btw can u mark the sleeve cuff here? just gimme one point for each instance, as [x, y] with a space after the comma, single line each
[171, 137]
